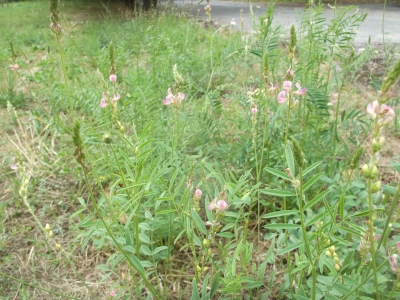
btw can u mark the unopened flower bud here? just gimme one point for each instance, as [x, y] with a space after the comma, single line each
[332, 248]
[328, 253]
[206, 243]
[376, 187]
[47, 228]
[198, 268]
[204, 270]
[58, 247]
[337, 267]
[365, 171]
[377, 144]
[51, 234]
[336, 260]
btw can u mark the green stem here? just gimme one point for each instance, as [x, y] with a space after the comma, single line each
[371, 238]
[305, 237]
[386, 229]
[71, 106]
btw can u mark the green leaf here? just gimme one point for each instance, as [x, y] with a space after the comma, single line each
[199, 222]
[310, 168]
[168, 211]
[165, 199]
[226, 234]
[144, 238]
[290, 160]
[158, 249]
[278, 173]
[316, 199]
[280, 214]
[279, 193]
[282, 226]
[313, 180]
[136, 263]
[204, 288]
[290, 248]
[195, 291]
[214, 285]
[360, 214]
[145, 250]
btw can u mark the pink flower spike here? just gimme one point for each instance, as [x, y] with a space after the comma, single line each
[287, 85]
[103, 103]
[113, 78]
[373, 109]
[113, 293]
[393, 262]
[198, 193]
[282, 97]
[14, 67]
[254, 110]
[273, 87]
[116, 97]
[222, 205]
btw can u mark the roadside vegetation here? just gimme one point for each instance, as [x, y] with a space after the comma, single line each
[151, 156]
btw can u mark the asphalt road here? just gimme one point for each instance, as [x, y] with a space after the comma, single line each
[224, 12]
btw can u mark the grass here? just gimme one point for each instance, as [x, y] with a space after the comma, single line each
[127, 190]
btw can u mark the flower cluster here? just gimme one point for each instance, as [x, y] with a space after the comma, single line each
[14, 67]
[173, 99]
[380, 113]
[219, 205]
[108, 99]
[284, 95]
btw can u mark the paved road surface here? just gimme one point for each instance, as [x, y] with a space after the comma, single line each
[286, 15]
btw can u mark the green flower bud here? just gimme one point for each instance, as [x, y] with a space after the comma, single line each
[51, 234]
[47, 228]
[58, 247]
[198, 268]
[365, 170]
[376, 187]
[332, 249]
[206, 243]
[328, 253]
[336, 260]
[374, 172]
[204, 270]
[377, 144]
[337, 267]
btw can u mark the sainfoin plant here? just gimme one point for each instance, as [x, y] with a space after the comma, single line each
[230, 173]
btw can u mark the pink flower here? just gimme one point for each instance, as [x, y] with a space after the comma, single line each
[207, 8]
[14, 67]
[393, 262]
[300, 91]
[116, 97]
[220, 205]
[171, 99]
[113, 293]
[254, 110]
[373, 109]
[103, 102]
[386, 114]
[273, 87]
[113, 78]
[282, 97]
[287, 85]
[14, 167]
[198, 193]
